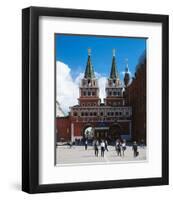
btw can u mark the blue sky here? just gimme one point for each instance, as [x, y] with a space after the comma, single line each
[72, 50]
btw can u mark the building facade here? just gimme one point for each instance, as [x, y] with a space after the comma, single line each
[135, 95]
[109, 120]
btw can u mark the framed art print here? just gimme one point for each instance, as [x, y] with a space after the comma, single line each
[95, 99]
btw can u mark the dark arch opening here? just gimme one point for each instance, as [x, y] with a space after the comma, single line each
[88, 133]
[115, 132]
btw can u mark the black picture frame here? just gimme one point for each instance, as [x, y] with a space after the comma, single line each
[30, 99]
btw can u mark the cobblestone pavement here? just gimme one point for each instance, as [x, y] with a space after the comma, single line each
[77, 154]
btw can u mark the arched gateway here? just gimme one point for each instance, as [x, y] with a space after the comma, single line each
[110, 120]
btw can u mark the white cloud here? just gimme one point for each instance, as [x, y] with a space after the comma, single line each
[67, 89]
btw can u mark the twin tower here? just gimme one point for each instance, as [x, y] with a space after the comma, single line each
[89, 89]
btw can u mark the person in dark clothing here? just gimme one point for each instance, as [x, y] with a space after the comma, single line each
[119, 149]
[106, 145]
[96, 148]
[86, 144]
[135, 149]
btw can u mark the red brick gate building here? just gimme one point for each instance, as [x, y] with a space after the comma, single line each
[109, 120]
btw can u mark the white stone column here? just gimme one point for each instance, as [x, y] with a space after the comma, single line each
[72, 132]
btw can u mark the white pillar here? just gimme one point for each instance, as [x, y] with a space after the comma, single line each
[72, 132]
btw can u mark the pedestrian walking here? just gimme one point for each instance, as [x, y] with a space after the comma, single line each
[102, 148]
[119, 148]
[123, 146]
[86, 144]
[96, 148]
[106, 145]
[135, 149]
[70, 144]
[116, 145]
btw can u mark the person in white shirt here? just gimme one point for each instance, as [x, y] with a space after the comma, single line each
[102, 148]
[123, 146]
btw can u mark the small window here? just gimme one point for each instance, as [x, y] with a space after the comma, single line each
[75, 113]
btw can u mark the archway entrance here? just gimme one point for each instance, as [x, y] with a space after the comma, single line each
[88, 133]
[115, 132]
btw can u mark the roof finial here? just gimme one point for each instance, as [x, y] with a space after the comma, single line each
[113, 52]
[89, 51]
[127, 65]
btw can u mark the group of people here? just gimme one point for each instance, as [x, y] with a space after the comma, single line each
[120, 147]
[103, 147]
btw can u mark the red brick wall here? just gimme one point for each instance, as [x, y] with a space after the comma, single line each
[136, 97]
[63, 128]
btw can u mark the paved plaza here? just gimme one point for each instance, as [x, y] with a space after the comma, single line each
[78, 155]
